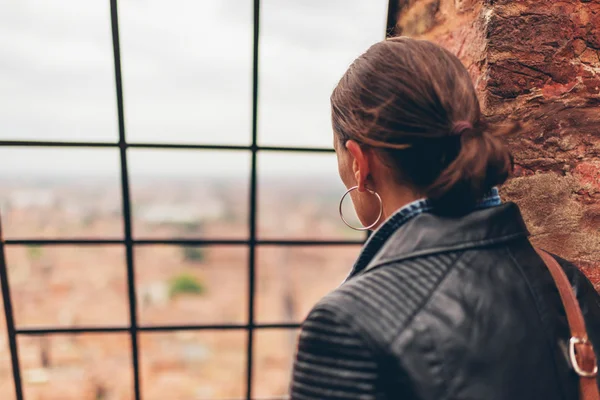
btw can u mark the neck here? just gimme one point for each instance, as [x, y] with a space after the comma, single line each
[393, 199]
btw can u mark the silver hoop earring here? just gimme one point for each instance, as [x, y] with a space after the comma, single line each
[364, 228]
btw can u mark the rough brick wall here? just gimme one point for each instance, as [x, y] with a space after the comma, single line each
[536, 61]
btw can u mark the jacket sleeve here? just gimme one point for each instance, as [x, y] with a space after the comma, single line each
[332, 361]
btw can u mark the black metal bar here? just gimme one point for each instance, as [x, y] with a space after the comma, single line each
[392, 16]
[10, 322]
[186, 146]
[63, 242]
[224, 327]
[126, 200]
[162, 146]
[71, 330]
[278, 326]
[191, 242]
[296, 149]
[44, 143]
[158, 328]
[179, 242]
[218, 327]
[309, 242]
[253, 200]
[243, 398]
[254, 398]
[255, 242]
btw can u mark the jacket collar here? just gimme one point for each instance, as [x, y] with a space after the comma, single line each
[416, 230]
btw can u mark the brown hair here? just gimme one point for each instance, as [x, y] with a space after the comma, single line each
[415, 102]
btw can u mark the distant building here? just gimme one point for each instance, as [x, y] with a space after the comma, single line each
[31, 198]
[181, 213]
[154, 294]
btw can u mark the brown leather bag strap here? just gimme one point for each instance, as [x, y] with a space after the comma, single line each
[581, 352]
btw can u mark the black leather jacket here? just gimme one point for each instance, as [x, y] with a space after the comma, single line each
[447, 309]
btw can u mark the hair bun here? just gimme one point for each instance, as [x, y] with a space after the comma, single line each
[461, 126]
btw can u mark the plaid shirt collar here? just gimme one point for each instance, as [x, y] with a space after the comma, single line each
[399, 218]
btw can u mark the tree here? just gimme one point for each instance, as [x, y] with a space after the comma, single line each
[34, 252]
[185, 284]
[44, 352]
[193, 254]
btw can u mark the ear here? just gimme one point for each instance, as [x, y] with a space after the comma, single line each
[360, 164]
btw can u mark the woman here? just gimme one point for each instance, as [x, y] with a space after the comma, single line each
[448, 299]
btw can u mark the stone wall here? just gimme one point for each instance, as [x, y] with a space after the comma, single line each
[536, 61]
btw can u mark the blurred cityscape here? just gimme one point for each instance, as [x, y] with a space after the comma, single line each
[187, 78]
[86, 286]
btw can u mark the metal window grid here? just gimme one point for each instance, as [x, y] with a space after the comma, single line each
[128, 242]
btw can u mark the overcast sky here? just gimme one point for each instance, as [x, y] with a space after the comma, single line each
[187, 76]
